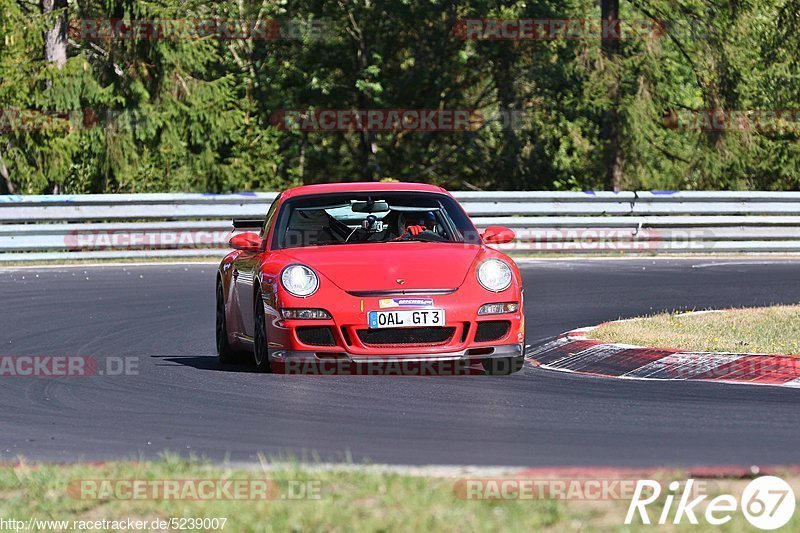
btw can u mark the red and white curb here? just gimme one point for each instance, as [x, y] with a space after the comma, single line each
[573, 351]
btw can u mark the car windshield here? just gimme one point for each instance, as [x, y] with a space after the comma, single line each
[362, 218]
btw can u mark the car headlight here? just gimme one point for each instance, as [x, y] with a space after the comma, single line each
[498, 309]
[299, 280]
[305, 314]
[494, 275]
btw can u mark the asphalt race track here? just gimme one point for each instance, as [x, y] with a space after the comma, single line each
[182, 400]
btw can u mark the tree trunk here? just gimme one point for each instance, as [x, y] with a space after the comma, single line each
[364, 101]
[6, 187]
[611, 129]
[55, 39]
[511, 166]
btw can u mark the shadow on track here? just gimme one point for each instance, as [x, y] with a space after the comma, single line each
[331, 367]
[206, 362]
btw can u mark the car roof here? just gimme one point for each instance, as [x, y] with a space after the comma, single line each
[361, 186]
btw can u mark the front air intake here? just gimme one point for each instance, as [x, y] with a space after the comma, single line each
[405, 336]
[492, 330]
[316, 336]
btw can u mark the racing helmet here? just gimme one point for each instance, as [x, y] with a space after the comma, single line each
[416, 218]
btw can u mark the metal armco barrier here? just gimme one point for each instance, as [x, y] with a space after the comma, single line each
[184, 225]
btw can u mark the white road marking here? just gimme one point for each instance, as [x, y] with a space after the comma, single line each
[795, 383]
[103, 265]
[746, 263]
[588, 356]
[683, 365]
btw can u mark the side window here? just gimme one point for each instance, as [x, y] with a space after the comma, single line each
[270, 216]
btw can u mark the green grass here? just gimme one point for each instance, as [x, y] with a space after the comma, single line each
[350, 499]
[767, 330]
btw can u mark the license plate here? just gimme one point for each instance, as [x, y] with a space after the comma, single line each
[406, 319]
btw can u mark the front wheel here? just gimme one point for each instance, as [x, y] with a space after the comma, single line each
[503, 366]
[260, 352]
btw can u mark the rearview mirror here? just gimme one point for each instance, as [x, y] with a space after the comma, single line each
[498, 235]
[378, 206]
[249, 242]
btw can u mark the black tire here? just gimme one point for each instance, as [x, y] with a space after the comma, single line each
[260, 352]
[503, 366]
[225, 354]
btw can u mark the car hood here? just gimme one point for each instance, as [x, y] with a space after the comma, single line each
[379, 266]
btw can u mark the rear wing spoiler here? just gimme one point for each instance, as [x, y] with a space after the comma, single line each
[247, 223]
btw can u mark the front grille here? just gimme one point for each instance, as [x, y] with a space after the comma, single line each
[492, 330]
[405, 336]
[316, 336]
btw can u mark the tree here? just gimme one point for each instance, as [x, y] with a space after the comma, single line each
[55, 38]
[611, 129]
[184, 113]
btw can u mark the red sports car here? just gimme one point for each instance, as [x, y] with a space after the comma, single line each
[366, 272]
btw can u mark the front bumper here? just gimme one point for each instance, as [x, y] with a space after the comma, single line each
[469, 354]
[346, 329]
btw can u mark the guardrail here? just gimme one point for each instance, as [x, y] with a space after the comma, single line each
[184, 225]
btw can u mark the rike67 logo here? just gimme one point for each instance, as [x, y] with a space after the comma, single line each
[767, 502]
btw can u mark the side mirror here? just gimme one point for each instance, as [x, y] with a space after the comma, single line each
[498, 235]
[249, 242]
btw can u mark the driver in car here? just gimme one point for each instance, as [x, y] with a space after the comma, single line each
[395, 226]
[415, 222]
